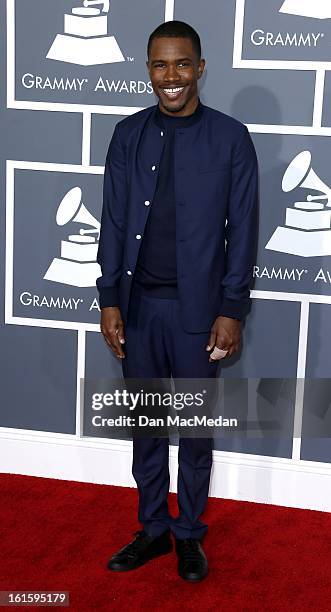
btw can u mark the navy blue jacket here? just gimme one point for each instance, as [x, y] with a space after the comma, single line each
[216, 194]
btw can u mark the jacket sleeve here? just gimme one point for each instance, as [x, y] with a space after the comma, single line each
[112, 230]
[240, 230]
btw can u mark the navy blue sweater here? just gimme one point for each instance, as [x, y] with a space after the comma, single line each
[156, 270]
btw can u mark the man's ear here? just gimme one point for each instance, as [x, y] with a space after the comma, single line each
[201, 67]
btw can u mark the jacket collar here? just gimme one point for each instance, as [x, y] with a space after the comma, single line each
[186, 121]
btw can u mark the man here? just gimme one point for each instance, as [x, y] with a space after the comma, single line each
[180, 185]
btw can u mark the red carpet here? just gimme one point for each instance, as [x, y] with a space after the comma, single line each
[58, 535]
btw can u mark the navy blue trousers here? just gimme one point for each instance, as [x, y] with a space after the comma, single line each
[157, 346]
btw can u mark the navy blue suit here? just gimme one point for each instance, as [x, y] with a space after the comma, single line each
[215, 192]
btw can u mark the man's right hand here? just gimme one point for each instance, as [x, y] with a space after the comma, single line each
[112, 329]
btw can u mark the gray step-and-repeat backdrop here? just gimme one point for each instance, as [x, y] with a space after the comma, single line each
[72, 70]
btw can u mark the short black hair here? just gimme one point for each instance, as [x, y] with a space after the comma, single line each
[176, 29]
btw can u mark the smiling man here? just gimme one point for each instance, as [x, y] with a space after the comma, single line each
[177, 247]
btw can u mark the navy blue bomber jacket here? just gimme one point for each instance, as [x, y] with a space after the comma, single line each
[216, 198]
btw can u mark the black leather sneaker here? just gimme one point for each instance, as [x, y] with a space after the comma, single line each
[192, 561]
[143, 548]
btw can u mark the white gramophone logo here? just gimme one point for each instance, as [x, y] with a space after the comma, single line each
[319, 9]
[308, 224]
[77, 265]
[85, 40]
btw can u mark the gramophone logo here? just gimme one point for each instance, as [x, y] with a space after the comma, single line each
[85, 40]
[77, 265]
[307, 230]
[318, 9]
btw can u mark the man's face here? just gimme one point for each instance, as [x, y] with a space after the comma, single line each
[174, 70]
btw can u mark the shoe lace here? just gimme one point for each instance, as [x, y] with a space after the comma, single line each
[138, 544]
[190, 548]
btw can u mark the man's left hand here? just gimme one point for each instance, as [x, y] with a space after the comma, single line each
[225, 335]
